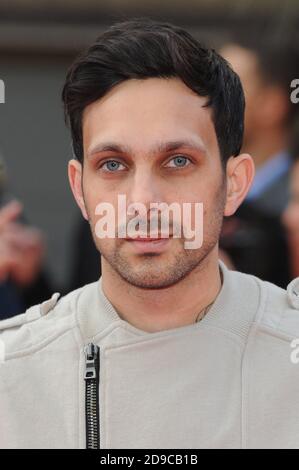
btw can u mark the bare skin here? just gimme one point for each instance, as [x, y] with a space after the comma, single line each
[163, 290]
[267, 107]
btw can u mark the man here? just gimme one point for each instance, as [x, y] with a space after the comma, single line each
[255, 239]
[169, 348]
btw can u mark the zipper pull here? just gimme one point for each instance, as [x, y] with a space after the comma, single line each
[91, 355]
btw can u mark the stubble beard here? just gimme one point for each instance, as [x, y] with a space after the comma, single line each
[162, 270]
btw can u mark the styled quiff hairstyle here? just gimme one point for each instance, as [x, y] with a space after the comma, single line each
[142, 48]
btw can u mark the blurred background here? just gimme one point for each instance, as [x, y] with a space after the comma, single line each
[39, 40]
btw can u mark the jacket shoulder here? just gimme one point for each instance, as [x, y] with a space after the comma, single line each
[39, 324]
[281, 308]
[31, 314]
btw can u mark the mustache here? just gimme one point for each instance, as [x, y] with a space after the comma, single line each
[147, 227]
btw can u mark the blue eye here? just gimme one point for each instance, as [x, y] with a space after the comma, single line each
[112, 165]
[179, 161]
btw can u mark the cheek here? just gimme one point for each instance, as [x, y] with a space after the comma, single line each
[93, 193]
[91, 202]
[209, 192]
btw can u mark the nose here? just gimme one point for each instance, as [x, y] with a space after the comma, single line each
[145, 189]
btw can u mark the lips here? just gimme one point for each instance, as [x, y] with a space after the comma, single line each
[143, 246]
[148, 239]
[139, 239]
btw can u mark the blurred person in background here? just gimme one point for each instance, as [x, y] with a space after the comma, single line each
[22, 281]
[255, 238]
[290, 217]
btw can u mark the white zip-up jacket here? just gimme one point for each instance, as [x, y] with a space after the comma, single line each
[229, 381]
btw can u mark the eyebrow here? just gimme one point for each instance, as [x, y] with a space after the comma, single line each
[160, 147]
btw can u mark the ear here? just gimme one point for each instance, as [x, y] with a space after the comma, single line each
[239, 176]
[75, 179]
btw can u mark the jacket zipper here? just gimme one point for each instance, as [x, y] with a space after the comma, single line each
[92, 412]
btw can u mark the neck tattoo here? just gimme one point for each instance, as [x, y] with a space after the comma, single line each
[205, 310]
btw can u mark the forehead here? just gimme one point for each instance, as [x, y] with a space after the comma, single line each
[140, 112]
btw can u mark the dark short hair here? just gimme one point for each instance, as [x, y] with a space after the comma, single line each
[142, 48]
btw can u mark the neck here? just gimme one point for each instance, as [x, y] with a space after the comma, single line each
[153, 310]
[263, 146]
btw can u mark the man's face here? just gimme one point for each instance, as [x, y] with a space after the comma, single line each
[139, 116]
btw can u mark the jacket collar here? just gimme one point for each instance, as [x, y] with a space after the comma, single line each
[233, 310]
